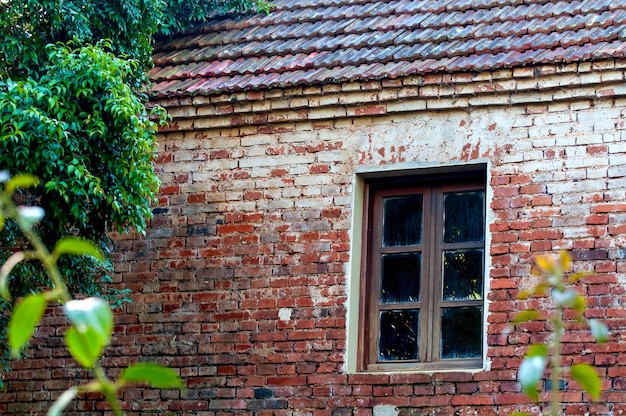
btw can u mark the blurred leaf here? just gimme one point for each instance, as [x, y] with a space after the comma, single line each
[579, 304]
[91, 315]
[546, 263]
[530, 373]
[61, 403]
[536, 271]
[575, 277]
[587, 377]
[153, 374]
[77, 246]
[24, 320]
[540, 289]
[525, 316]
[86, 347]
[537, 350]
[520, 414]
[21, 181]
[565, 260]
[524, 294]
[599, 330]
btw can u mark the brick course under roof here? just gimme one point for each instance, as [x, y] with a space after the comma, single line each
[313, 42]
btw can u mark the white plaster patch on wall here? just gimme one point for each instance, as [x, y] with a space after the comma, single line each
[284, 314]
[385, 410]
[438, 137]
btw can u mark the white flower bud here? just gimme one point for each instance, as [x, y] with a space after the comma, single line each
[30, 216]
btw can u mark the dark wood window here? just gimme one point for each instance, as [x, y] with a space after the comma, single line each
[423, 279]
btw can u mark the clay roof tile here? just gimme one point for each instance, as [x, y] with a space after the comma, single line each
[320, 41]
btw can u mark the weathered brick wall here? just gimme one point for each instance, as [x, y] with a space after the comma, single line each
[241, 281]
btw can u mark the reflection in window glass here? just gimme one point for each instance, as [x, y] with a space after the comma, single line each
[461, 332]
[398, 335]
[463, 275]
[464, 217]
[400, 280]
[402, 221]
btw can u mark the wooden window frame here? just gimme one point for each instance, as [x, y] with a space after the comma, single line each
[432, 187]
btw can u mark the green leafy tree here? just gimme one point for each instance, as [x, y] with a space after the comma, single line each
[72, 92]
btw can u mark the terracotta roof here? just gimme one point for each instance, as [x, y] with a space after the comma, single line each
[310, 42]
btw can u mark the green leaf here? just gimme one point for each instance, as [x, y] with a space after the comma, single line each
[579, 305]
[537, 350]
[599, 330]
[61, 403]
[525, 316]
[21, 181]
[530, 373]
[86, 347]
[575, 277]
[77, 246]
[91, 316]
[24, 320]
[520, 414]
[153, 374]
[565, 260]
[547, 264]
[541, 288]
[587, 377]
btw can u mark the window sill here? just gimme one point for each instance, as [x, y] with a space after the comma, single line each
[465, 365]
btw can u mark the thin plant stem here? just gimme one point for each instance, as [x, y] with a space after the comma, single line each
[109, 390]
[40, 250]
[556, 363]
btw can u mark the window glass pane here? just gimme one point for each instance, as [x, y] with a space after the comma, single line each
[464, 217]
[398, 335]
[402, 221]
[463, 275]
[400, 281]
[461, 332]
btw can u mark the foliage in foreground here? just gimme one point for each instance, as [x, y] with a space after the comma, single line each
[91, 319]
[72, 92]
[559, 286]
[87, 135]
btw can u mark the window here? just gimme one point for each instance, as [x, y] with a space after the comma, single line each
[422, 279]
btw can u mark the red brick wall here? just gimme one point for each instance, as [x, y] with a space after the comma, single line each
[254, 220]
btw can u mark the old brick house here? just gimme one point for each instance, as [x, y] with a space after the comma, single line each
[353, 193]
